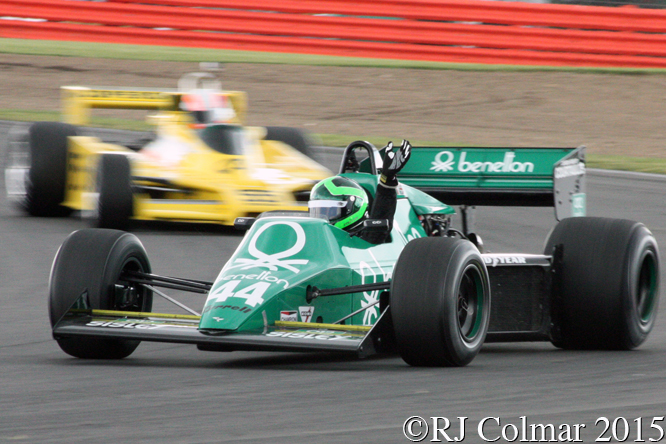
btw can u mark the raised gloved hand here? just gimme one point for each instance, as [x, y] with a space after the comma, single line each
[393, 162]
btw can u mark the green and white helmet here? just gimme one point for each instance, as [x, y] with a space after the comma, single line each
[339, 200]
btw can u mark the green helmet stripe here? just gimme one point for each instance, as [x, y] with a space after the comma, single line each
[338, 191]
[347, 221]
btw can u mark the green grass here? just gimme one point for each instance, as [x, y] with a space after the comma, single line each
[179, 54]
[654, 165]
[28, 115]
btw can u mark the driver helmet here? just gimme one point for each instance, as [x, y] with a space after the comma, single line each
[339, 200]
[207, 107]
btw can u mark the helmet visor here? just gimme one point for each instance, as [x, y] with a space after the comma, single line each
[330, 210]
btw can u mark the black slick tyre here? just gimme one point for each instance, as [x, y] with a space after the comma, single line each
[440, 302]
[46, 178]
[115, 203]
[90, 263]
[606, 284]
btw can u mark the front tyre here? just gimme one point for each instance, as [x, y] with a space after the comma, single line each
[90, 263]
[607, 292]
[440, 302]
[36, 168]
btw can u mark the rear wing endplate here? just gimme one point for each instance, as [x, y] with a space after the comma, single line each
[553, 177]
[77, 101]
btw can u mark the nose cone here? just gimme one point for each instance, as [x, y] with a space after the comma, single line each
[238, 297]
[272, 266]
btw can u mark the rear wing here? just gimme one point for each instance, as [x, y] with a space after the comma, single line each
[77, 101]
[553, 177]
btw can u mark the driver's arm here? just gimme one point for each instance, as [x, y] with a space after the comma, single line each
[383, 207]
[386, 197]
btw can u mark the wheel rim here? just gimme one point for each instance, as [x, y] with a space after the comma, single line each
[130, 296]
[646, 288]
[470, 303]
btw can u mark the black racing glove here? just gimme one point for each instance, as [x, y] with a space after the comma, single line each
[393, 163]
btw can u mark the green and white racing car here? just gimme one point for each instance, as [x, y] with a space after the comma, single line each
[297, 283]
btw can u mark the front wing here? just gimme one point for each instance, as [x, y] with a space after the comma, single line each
[284, 336]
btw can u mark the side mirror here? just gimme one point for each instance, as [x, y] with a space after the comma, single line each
[476, 240]
[376, 225]
[243, 223]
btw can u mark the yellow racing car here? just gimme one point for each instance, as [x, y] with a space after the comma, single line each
[202, 165]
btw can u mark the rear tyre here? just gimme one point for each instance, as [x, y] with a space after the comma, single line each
[36, 168]
[293, 137]
[91, 262]
[115, 204]
[440, 302]
[607, 293]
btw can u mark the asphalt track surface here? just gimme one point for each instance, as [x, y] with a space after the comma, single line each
[177, 394]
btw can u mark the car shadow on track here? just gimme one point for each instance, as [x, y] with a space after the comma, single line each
[314, 361]
[244, 360]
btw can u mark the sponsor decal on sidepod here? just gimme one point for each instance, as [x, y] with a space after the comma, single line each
[289, 316]
[232, 307]
[306, 313]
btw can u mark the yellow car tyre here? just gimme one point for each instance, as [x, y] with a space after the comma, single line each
[45, 187]
[115, 204]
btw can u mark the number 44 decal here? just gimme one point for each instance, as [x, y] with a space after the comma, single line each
[252, 293]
